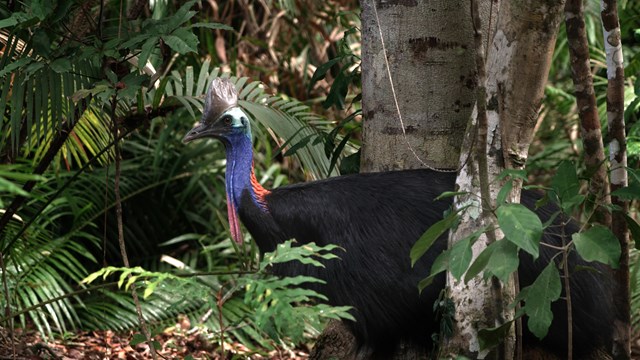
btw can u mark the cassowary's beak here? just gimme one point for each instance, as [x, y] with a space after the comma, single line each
[200, 130]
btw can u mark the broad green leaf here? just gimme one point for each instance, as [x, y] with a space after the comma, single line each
[181, 45]
[566, 184]
[42, 8]
[480, 263]
[61, 65]
[504, 192]
[545, 290]
[182, 15]
[598, 244]
[460, 258]
[146, 50]
[430, 236]
[14, 19]
[521, 226]
[321, 71]
[631, 192]
[136, 339]
[504, 260]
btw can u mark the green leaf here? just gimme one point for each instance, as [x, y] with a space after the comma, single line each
[480, 263]
[598, 244]
[513, 173]
[521, 226]
[89, 279]
[61, 65]
[430, 236]
[181, 16]
[631, 192]
[8, 186]
[539, 296]
[214, 26]
[339, 88]
[565, 183]
[42, 8]
[504, 192]
[504, 259]
[460, 257]
[14, 19]
[136, 339]
[15, 65]
[146, 50]
[321, 71]
[182, 45]
[133, 82]
[448, 194]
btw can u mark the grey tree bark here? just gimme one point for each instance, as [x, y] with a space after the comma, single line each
[420, 121]
[433, 71]
[432, 66]
[431, 62]
[517, 65]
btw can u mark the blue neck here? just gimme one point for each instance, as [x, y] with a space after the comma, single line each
[239, 176]
[239, 165]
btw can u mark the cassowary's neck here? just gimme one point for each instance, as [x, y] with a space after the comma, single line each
[240, 178]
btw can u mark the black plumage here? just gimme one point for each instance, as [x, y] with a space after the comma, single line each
[376, 218]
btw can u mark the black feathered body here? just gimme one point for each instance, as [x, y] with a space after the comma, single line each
[376, 218]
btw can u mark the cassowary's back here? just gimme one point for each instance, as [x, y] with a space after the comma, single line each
[376, 218]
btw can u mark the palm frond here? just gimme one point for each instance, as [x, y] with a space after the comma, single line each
[288, 118]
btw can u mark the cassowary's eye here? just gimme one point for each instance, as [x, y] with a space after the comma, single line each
[227, 120]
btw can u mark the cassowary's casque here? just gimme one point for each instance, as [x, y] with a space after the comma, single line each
[377, 217]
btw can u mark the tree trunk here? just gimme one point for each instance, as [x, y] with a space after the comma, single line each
[433, 71]
[517, 64]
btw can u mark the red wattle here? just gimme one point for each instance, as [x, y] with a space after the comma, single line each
[234, 224]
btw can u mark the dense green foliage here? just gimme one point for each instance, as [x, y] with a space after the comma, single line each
[57, 54]
[173, 197]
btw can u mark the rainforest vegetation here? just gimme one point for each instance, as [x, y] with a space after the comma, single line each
[114, 233]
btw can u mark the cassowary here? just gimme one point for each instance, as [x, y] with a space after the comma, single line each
[376, 218]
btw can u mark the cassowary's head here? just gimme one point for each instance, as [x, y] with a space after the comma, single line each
[222, 118]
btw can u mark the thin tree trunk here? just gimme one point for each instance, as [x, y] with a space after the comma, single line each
[517, 65]
[587, 110]
[618, 163]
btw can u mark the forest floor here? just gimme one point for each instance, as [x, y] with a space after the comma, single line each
[107, 345]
